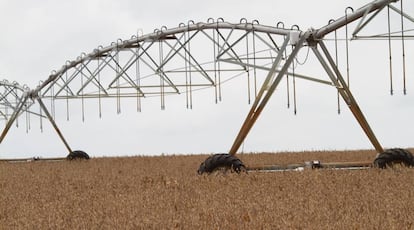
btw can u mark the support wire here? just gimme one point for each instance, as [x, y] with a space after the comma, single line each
[282, 25]
[336, 64]
[40, 112]
[346, 43]
[215, 61]
[162, 86]
[138, 78]
[99, 93]
[118, 89]
[248, 70]
[294, 87]
[390, 50]
[82, 94]
[254, 64]
[67, 97]
[403, 48]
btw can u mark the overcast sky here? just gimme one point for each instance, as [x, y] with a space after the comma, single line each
[39, 36]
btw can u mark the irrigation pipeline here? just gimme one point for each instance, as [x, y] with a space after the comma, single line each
[32, 159]
[315, 164]
[107, 72]
[307, 165]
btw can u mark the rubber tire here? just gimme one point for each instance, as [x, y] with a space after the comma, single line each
[78, 154]
[394, 156]
[221, 160]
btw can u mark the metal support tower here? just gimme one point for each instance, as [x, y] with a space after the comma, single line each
[147, 66]
[313, 39]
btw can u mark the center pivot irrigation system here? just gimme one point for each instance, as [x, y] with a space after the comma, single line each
[197, 56]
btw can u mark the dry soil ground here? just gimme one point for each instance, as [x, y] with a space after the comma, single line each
[166, 193]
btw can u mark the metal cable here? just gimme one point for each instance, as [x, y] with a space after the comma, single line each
[138, 78]
[118, 90]
[254, 63]
[52, 101]
[162, 86]
[215, 67]
[294, 87]
[99, 93]
[219, 70]
[346, 43]
[189, 74]
[67, 97]
[82, 96]
[218, 63]
[40, 117]
[27, 120]
[336, 63]
[186, 73]
[390, 50]
[248, 70]
[403, 48]
[287, 77]
[306, 58]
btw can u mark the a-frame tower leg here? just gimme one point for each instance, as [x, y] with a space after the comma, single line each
[267, 90]
[337, 79]
[270, 84]
[19, 108]
[52, 121]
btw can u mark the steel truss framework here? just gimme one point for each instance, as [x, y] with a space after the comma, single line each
[12, 95]
[210, 54]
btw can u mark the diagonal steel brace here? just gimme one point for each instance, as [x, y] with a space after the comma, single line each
[267, 90]
[52, 121]
[346, 94]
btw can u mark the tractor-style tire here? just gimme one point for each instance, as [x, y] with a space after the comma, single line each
[222, 160]
[78, 155]
[394, 156]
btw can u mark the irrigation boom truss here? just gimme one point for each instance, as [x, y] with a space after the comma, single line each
[210, 54]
